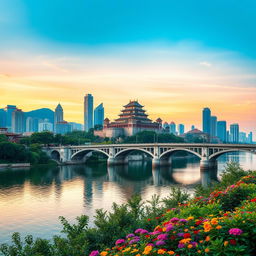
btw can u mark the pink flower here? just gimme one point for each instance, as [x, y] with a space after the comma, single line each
[120, 241]
[162, 237]
[235, 231]
[94, 253]
[174, 219]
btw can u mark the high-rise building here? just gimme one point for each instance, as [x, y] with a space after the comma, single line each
[9, 109]
[234, 133]
[242, 137]
[207, 121]
[18, 121]
[99, 115]
[88, 112]
[58, 115]
[45, 125]
[222, 130]
[213, 128]
[172, 128]
[181, 129]
[63, 127]
[29, 124]
[76, 126]
[2, 118]
[250, 138]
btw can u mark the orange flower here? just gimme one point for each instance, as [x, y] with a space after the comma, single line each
[207, 250]
[171, 252]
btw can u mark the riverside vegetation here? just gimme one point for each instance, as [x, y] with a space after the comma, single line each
[218, 220]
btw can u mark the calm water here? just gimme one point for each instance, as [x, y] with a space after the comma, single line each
[32, 200]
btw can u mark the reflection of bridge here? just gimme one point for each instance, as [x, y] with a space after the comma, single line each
[159, 152]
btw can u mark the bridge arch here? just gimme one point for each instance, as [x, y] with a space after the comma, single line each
[84, 152]
[171, 151]
[55, 155]
[125, 152]
[217, 154]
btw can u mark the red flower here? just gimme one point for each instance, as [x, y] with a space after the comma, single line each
[232, 241]
[186, 235]
[149, 219]
[147, 236]
[253, 200]
[196, 232]
[172, 237]
[199, 222]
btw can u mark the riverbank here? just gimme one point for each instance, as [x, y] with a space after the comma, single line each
[15, 166]
[79, 239]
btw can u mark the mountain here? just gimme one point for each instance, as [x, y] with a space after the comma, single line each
[42, 113]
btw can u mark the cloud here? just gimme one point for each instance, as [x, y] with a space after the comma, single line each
[205, 64]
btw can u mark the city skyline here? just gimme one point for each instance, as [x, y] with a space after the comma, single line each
[175, 62]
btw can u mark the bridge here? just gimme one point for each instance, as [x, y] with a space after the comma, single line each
[160, 153]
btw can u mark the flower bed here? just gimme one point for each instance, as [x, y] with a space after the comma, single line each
[222, 224]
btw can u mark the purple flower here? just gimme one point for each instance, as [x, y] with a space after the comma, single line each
[181, 245]
[120, 241]
[138, 230]
[180, 234]
[183, 220]
[150, 244]
[133, 241]
[94, 253]
[130, 235]
[174, 219]
[169, 228]
[235, 231]
[194, 244]
[160, 242]
[162, 237]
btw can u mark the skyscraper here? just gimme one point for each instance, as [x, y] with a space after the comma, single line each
[250, 138]
[58, 115]
[18, 121]
[207, 121]
[172, 128]
[181, 129]
[45, 125]
[99, 115]
[88, 112]
[2, 118]
[213, 128]
[9, 109]
[234, 133]
[29, 124]
[222, 130]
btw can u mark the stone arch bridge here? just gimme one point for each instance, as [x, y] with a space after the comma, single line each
[159, 152]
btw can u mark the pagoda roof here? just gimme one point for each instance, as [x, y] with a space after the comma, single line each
[133, 103]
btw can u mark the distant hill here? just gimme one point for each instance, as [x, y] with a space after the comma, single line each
[42, 113]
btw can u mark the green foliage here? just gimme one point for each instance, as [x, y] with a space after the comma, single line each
[3, 138]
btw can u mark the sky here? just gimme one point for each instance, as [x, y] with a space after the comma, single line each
[175, 57]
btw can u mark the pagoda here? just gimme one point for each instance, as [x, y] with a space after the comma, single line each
[132, 119]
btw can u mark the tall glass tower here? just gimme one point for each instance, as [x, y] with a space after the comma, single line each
[58, 115]
[88, 112]
[222, 130]
[234, 133]
[207, 120]
[213, 126]
[99, 115]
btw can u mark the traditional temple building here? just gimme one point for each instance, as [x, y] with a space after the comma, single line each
[133, 119]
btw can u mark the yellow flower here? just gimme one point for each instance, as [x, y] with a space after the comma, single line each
[185, 230]
[225, 243]
[190, 246]
[192, 227]
[207, 226]
[207, 238]
[190, 218]
[218, 227]
[207, 250]
[104, 253]
[126, 249]
[171, 252]
[164, 229]
[134, 250]
[147, 250]
[214, 221]
[185, 240]
[161, 251]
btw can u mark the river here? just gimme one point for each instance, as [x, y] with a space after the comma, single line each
[31, 200]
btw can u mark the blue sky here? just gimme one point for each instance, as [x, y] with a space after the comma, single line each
[228, 24]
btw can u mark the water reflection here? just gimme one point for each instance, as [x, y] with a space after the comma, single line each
[32, 200]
